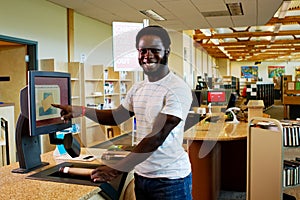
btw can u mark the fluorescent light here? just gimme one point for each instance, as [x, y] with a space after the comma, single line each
[276, 27]
[215, 41]
[221, 48]
[235, 8]
[153, 15]
[284, 8]
[206, 32]
[273, 39]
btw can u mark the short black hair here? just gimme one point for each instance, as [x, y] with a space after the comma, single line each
[157, 31]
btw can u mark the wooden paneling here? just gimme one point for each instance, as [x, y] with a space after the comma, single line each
[12, 64]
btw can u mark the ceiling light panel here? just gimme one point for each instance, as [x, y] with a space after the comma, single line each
[153, 15]
[235, 9]
[284, 8]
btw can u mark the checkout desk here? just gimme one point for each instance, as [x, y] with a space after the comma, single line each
[19, 186]
[218, 154]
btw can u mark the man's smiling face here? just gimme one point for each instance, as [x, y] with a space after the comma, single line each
[152, 54]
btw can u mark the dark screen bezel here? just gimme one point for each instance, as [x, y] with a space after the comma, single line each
[50, 128]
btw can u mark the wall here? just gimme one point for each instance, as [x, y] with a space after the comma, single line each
[235, 68]
[176, 56]
[188, 59]
[39, 21]
[93, 39]
[12, 58]
[45, 23]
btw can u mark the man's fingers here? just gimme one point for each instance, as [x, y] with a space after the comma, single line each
[56, 105]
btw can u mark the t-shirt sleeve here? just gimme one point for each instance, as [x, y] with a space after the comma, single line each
[127, 102]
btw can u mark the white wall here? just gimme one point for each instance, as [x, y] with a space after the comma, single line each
[93, 39]
[176, 56]
[39, 21]
[235, 68]
[188, 59]
[46, 23]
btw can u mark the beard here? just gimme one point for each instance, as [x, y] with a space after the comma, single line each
[162, 63]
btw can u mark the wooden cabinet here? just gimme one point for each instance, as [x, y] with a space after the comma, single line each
[264, 161]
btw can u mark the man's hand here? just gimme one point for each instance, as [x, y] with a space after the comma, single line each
[104, 173]
[67, 112]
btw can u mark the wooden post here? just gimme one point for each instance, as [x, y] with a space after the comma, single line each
[70, 31]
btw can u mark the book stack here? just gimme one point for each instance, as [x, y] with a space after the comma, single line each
[291, 172]
[291, 136]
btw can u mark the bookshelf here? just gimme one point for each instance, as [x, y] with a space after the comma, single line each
[291, 165]
[271, 147]
[104, 88]
[95, 86]
[231, 82]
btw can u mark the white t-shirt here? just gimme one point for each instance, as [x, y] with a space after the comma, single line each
[170, 95]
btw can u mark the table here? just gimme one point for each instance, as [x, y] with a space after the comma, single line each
[17, 186]
[218, 156]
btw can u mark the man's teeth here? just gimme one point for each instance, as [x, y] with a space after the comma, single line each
[150, 64]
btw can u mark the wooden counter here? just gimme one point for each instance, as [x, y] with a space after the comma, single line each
[287, 101]
[17, 186]
[218, 153]
[220, 131]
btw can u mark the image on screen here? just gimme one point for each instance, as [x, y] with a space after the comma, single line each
[45, 96]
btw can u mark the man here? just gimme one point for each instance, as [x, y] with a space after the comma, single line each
[160, 104]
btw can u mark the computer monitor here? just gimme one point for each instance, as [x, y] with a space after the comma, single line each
[44, 89]
[38, 117]
[232, 100]
[197, 98]
[216, 97]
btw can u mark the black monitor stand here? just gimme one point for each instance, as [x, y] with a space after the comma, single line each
[28, 147]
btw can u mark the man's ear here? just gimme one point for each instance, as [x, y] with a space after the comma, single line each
[167, 51]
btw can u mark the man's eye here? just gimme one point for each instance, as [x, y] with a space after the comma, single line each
[152, 50]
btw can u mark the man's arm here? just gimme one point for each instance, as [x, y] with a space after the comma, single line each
[109, 117]
[104, 117]
[163, 125]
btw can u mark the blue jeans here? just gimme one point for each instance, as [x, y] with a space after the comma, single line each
[163, 188]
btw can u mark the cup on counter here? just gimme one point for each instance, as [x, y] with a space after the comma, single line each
[199, 110]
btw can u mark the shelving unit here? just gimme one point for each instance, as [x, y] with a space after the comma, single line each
[268, 146]
[104, 88]
[264, 161]
[95, 86]
[231, 82]
[291, 143]
[76, 70]
[261, 91]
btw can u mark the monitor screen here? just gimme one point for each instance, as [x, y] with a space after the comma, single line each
[232, 100]
[216, 96]
[45, 88]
